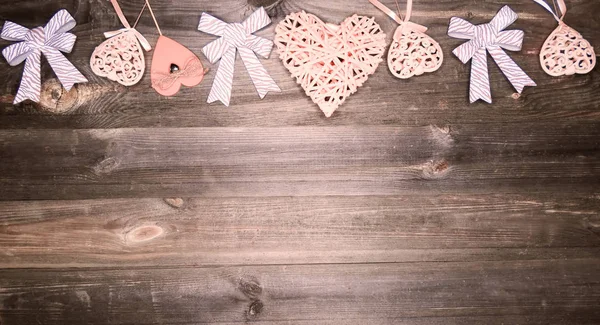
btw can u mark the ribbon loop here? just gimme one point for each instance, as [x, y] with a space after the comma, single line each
[562, 9]
[128, 28]
[237, 37]
[404, 23]
[490, 38]
[51, 40]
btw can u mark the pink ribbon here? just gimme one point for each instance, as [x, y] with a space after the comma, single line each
[49, 40]
[404, 23]
[143, 41]
[238, 37]
[492, 38]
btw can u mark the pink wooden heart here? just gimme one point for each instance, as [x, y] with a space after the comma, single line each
[329, 61]
[167, 54]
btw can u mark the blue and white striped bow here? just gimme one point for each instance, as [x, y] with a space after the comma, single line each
[50, 40]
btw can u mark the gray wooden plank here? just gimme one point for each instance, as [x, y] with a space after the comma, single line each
[305, 161]
[303, 230]
[383, 100]
[525, 290]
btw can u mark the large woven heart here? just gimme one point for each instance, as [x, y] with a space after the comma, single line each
[329, 61]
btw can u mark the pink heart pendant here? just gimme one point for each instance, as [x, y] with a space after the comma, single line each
[174, 65]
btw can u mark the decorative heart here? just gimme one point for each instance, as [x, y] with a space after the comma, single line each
[412, 53]
[119, 58]
[566, 52]
[329, 61]
[173, 65]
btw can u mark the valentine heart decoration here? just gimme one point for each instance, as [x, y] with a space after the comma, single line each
[565, 51]
[49, 40]
[173, 64]
[330, 62]
[412, 52]
[492, 38]
[237, 37]
[120, 58]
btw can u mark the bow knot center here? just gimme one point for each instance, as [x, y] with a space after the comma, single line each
[36, 37]
[236, 34]
[485, 35]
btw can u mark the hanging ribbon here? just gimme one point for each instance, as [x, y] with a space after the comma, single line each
[143, 41]
[562, 9]
[404, 23]
[492, 38]
[237, 36]
[49, 40]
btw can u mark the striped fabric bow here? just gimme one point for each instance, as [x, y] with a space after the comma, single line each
[50, 40]
[492, 38]
[237, 36]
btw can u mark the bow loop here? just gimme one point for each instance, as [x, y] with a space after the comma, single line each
[504, 18]
[489, 37]
[460, 28]
[15, 54]
[511, 40]
[256, 21]
[13, 32]
[211, 25]
[49, 40]
[237, 37]
[60, 23]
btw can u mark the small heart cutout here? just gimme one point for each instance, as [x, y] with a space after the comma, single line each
[330, 62]
[413, 53]
[566, 52]
[174, 65]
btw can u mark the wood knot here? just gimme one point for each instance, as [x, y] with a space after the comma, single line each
[143, 234]
[56, 99]
[255, 308]
[442, 135]
[250, 288]
[106, 165]
[435, 169]
[175, 202]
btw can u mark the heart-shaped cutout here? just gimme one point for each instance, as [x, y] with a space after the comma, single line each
[174, 65]
[329, 61]
[413, 53]
[119, 58]
[566, 52]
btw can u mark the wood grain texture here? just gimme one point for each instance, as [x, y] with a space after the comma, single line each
[407, 206]
[528, 291]
[227, 162]
[303, 230]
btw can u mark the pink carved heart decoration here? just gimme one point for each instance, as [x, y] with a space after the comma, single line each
[329, 61]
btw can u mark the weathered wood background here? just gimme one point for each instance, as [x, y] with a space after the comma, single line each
[407, 206]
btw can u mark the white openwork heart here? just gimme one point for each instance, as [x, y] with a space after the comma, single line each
[566, 52]
[119, 59]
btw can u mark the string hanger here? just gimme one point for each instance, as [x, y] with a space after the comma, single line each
[153, 17]
[561, 10]
[403, 22]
